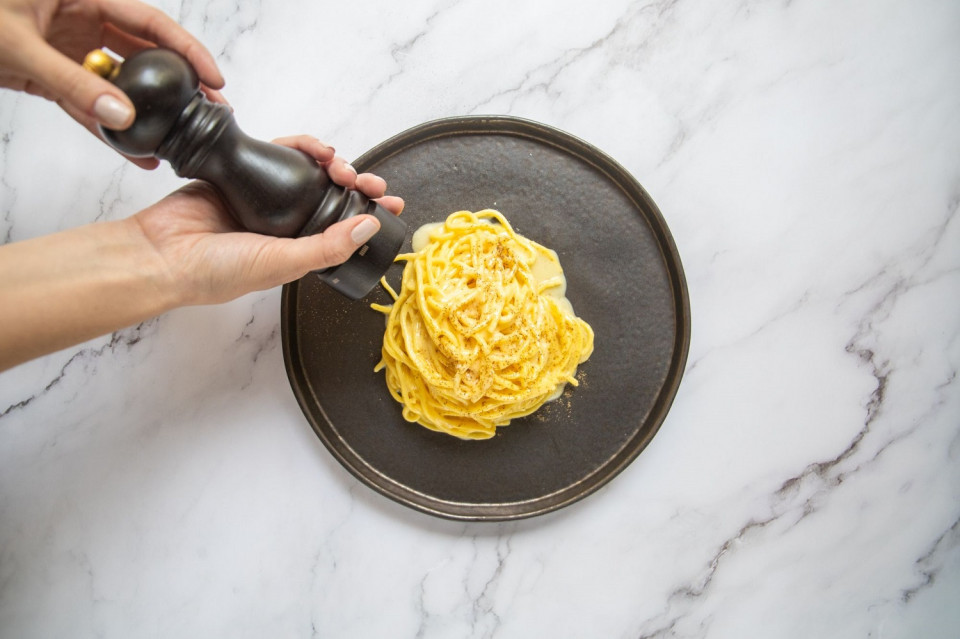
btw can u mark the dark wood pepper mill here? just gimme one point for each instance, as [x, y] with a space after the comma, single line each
[269, 189]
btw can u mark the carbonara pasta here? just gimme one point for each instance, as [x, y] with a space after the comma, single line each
[480, 332]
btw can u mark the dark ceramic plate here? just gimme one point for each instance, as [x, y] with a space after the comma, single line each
[624, 278]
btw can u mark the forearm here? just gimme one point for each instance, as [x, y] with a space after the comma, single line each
[66, 288]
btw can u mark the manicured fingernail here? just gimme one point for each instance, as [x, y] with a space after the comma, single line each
[111, 112]
[364, 231]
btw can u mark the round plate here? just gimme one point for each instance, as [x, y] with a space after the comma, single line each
[624, 278]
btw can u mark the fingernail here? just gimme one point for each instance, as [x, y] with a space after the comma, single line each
[350, 168]
[364, 231]
[111, 112]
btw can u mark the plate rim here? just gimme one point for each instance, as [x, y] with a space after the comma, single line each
[391, 488]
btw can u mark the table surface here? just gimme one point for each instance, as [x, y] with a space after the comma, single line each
[162, 481]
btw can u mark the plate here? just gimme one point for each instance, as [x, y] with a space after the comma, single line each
[624, 277]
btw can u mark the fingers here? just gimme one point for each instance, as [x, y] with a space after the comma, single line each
[123, 43]
[334, 246]
[74, 86]
[151, 24]
[340, 240]
[148, 164]
[309, 145]
[342, 173]
[392, 203]
[126, 45]
[373, 186]
[90, 124]
[271, 261]
[213, 95]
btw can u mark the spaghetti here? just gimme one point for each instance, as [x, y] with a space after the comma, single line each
[480, 332]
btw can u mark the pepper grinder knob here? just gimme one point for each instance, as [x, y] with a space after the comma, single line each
[268, 188]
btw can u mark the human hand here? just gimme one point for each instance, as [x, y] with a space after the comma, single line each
[207, 258]
[43, 42]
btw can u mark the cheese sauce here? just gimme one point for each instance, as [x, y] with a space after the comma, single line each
[544, 268]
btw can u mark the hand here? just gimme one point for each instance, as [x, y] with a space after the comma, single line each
[43, 42]
[65, 288]
[209, 259]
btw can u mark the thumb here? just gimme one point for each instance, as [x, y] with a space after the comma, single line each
[338, 242]
[81, 90]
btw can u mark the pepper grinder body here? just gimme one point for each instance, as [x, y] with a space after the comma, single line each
[268, 188]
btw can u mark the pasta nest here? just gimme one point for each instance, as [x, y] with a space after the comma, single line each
[474, 339]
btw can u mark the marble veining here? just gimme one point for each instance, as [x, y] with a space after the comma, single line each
[162, 481]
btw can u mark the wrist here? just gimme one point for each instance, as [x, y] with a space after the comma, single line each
[148, 276]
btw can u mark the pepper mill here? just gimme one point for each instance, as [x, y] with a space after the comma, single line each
[268, 188]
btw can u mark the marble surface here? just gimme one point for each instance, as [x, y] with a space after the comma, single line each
[162, 481]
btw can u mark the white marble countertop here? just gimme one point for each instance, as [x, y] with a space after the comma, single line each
[163, 482]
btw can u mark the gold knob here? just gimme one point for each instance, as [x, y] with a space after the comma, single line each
[100, 63]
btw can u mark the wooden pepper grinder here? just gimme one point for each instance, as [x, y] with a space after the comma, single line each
[269, 189]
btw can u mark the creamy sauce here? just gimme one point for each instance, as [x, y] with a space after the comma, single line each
[422, 235]
[544, 268]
